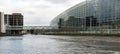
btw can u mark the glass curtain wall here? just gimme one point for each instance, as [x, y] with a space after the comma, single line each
[90, 16]
[107, 13]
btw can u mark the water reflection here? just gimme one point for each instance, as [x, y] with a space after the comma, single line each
[11, 45]
[43, 44]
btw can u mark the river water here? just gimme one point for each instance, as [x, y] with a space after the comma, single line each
[48, 44]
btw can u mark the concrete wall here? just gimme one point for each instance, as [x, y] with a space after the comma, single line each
[2, 24]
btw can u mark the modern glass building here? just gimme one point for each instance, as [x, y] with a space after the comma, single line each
[94, 16]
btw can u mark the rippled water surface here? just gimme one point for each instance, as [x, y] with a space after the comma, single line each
[46, 44]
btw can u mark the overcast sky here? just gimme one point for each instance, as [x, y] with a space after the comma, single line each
[37, 12]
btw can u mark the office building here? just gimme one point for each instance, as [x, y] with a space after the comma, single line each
[14, 21]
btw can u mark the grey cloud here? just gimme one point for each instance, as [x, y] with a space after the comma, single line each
[41, 6]
[36, 21]
[58, 1]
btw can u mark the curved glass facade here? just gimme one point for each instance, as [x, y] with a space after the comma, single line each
[91, 15]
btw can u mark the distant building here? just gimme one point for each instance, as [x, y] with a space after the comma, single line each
[14, 21]
[2, 25]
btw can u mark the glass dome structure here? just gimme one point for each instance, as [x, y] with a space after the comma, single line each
[90, 15]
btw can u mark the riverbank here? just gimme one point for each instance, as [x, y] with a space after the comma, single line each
[67, 34]
[83, 34]
[4, 34]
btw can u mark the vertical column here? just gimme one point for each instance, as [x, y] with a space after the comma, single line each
[2, 24]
